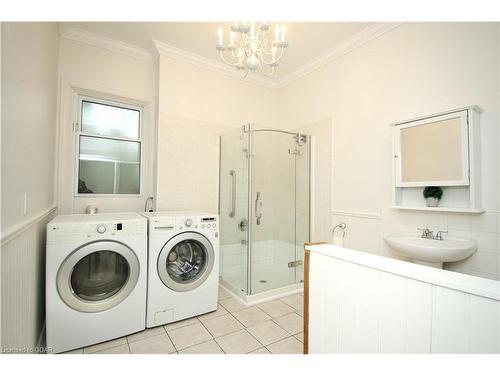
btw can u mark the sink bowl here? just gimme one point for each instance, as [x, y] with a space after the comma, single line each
[432, 252]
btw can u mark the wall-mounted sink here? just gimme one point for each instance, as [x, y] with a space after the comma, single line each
[431, 252]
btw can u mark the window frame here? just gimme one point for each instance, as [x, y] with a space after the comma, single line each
[80, 98]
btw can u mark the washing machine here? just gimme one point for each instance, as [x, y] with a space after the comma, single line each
[183, 272]
[96, 276]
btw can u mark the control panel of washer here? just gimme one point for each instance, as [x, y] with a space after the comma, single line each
[193, 223]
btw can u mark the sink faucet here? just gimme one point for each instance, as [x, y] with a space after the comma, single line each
[439, 235]
[426, 233]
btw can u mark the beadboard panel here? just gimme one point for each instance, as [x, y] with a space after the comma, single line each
[364, 309]
[23, 286]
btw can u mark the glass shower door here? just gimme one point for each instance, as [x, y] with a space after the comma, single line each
[273, 211]
[233, 209]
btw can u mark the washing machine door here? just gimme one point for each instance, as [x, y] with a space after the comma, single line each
[98, 276]
[185, 261]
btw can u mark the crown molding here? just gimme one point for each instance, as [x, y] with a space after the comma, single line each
[170, 51]
[357, 40]
[110, 44]
[158, 48]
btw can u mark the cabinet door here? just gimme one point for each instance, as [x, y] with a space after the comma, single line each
[433, 151]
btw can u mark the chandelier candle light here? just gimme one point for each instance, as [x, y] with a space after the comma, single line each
[250, 49]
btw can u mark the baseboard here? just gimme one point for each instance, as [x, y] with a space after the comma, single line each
[262, 296]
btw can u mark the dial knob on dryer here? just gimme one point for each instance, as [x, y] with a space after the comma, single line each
[188, 222]
[101, 229]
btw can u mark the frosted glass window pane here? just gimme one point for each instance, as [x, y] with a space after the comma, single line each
[110, 120]
[109, 166]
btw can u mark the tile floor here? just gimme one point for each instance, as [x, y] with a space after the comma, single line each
[273, 327]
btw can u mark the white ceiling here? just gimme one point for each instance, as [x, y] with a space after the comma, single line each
[308, 40]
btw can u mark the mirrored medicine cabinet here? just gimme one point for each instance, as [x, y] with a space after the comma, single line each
[438, 150]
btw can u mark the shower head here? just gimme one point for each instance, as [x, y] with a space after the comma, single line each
[301, 139]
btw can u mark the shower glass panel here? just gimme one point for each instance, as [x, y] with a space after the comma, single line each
[264, 208]
[273, 211]
[233, 210]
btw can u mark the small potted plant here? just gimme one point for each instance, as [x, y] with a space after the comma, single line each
[432, 195]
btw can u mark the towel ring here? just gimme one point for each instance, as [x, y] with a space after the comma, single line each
[341, 226]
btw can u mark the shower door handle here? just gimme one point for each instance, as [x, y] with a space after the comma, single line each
[233, 193]
[258, 208]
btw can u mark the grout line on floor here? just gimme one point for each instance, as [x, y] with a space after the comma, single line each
[212, 337]
[190, 346]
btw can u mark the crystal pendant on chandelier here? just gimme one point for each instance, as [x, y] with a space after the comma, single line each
[249, 49]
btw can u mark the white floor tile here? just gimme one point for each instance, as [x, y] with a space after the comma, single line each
[240, 342]
[158, 344]
[261, 351]
[76, 351]
[232, 304]
[189, 335]
[251, 316]
[276, 308]
[296, 301]
[146, 333]
[219, 312]
[209, 347]
[222, 325]
[181, 323]
[268, 332]
[105, 345]
[120, 349]
[292, 323]
[289, 345]
[223, 293]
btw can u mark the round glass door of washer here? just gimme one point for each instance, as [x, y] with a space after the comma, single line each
[98, 276]
[185, 261]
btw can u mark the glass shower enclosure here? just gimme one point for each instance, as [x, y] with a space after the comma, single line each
[264, 209]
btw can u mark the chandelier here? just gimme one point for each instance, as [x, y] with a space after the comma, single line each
[249, 48]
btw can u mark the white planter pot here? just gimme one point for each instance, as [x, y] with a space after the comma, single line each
[432, 202]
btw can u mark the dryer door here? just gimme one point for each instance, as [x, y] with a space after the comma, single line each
[98, 276]
[185, 261]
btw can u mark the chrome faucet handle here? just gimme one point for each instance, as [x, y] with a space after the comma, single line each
[439, 234]
[426, 232]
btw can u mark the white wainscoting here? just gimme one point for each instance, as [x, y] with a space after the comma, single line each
[361, 303]
[23, 284]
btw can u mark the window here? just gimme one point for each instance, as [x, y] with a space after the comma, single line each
[109, 147]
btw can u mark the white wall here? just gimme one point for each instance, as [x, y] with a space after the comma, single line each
[29, 100]
[413, 70]
[321, 178]
[96, 71]
[188, 164]
[196, 106]
[192, 92]
[29, 90]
